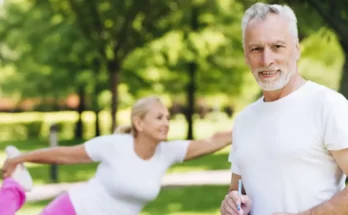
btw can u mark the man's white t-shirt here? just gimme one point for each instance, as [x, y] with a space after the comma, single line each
[124, 182]
[281, 149]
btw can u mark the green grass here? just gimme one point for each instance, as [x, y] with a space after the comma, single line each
[200, 200]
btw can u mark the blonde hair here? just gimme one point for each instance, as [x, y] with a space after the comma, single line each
[123, 129]
[139, 109]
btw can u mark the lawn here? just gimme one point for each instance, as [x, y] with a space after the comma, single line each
[200, 200]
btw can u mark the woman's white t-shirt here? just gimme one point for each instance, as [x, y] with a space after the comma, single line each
[124, 182]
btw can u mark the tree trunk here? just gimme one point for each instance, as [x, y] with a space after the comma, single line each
[114, 70]
[97, 124]
[190, 110]
[97, 89]
[80, 109]
[344, 77]
[191, 86]
[56, 105]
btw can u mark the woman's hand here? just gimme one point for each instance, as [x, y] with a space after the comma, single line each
[9, 167]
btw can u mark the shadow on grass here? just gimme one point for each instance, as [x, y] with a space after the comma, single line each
[184, 200]
[33, 208]
[66, 173]
[28, 145]
[209, 162]
[196, 200]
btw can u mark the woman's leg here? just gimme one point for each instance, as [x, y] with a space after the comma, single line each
[12, 197]
[61, 205]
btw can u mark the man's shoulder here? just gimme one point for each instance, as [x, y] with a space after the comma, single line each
[328, 95]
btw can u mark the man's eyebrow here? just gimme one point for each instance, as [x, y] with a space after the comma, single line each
[279, 42]
[254, 44]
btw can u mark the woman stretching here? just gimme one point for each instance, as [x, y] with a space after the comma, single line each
[132, 163]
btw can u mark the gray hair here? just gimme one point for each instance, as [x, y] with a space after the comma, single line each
[261, 10]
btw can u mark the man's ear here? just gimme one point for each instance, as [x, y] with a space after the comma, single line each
[298, 51]
[246, 61]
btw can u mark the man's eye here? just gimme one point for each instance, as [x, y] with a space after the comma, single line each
[255, 49]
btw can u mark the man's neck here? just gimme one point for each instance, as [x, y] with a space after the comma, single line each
[296, 81]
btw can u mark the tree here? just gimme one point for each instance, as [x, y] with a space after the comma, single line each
[117, 28]
[43, 68]
[335, 14]
[51, 61]
[201, 55]
[210, 42]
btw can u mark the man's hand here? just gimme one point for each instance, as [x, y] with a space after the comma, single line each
[231, 201]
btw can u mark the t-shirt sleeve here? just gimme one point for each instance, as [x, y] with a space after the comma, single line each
[176, 150]
[233, 153]
[232, 160]
[336, 123]
[98, 148]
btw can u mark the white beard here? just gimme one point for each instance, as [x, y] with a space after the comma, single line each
[278, 84]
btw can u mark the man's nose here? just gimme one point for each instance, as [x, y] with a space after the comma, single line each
[267, 57]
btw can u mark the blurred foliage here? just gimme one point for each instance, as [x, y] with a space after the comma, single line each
[52, 48]
[333, 15]
[322, 58]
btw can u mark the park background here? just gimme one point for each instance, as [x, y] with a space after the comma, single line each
[81, 64]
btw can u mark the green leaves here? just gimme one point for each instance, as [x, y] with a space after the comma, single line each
[55, 47]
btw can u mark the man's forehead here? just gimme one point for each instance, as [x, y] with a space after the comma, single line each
[273, 21]
[267, 40]
[274, 28]
[270, 18]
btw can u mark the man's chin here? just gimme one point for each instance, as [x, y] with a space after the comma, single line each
[269, 87]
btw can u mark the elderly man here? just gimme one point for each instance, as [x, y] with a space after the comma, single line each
[290, 148]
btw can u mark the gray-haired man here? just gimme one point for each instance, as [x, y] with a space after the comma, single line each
[290, 148]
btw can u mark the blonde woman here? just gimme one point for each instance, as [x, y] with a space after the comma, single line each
[131, 164]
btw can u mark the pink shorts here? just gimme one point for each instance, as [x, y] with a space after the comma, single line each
[61, 205]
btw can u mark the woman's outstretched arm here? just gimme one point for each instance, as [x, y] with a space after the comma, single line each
[198, 148]
[57, 155]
